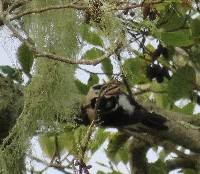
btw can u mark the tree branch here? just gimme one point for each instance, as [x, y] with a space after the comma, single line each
[134, 5]
[16, 5]
[1, 9]
[54, 165]
[44, 54]
[192, 121]
[137, 156]
[72, 61]
[45, 9]
[180, 163]
[99, 73]
[178, 133]
[71, 6]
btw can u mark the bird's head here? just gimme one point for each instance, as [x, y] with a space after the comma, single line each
[103, 94]
[98, 91]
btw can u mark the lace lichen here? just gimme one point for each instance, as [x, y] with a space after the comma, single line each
[51, 93]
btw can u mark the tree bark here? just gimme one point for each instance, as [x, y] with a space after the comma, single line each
[137, 156]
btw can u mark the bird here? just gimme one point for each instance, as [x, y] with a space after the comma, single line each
[110, 106]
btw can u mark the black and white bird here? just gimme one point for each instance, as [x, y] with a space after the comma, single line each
[114, 108]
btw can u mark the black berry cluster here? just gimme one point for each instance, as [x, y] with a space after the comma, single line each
[158, 72]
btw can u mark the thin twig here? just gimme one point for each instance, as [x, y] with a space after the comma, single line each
[86, 139]
[98, 73]
[180, 163]
[1, 9]
[56, 152]
[16, 5]
[54, 165]
[44, 54]
[142, 91]
[45, 9]
[198, 5]
[125, 80]
[134, 5]
[72, 61]
[83, 148]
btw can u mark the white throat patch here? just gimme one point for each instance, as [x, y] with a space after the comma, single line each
[125, 104]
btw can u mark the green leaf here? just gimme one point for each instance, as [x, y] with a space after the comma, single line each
[162, 155]
[136, 70]
[158, 167]
[99, 138]
[83, 89]
[188, 109]
[93, 54]
[79, 138]
[47, 144]
[79, 134]
[12, 73]
[166, 22]
[71, 139]
[161, 99]
[181, 84]
[101, 172]
[194, 56]
[189, 171]
[177, 38]
[91, 37]
[94, 79]
[150, 47]
[117, 147]
[123, 154]
[107, 66]
[195, 26]
[66, 141]
[113, 172]
[25, 58]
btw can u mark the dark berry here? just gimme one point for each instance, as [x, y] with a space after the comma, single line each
[157, 52]
[132, 14]
[125, 12]
[149, 72]
[165, 53]
[152, 16]
[158, 72]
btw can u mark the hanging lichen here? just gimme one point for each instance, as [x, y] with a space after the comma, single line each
[111, 26]
[51, 93]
